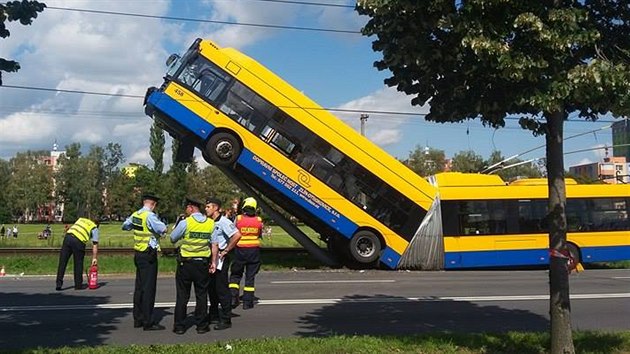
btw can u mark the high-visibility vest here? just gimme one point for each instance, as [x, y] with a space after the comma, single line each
[82, 229]
[250, 228]
[196, 242]
[141, 233]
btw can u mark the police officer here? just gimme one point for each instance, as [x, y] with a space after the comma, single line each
[147, 229]
[193, 265]
[74, 244]
[247, 254]
[224, 239]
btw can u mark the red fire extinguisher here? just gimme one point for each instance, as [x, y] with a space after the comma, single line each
[93, 277]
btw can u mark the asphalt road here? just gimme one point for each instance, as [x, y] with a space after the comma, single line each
[313, 303]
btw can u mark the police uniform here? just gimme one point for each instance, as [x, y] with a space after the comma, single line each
[147, 229]
[74, 244]
[192, 267]
[247, 254]
[219, 291]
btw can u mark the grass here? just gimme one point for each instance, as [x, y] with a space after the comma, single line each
[123, 264]
[111, 235]
[513, 342]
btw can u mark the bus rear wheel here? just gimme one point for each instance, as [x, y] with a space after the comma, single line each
[222, 149]
[365, 247]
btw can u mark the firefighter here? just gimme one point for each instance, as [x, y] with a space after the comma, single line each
[193, 265]
[247, 254]
[224, 239]
[147, 229]
[74, 243]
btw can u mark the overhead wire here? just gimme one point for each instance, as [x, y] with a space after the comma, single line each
[200, 20]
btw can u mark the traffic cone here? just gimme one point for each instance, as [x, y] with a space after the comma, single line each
[2, 272]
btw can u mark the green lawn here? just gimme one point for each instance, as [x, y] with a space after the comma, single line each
[431, 343]
[111, 235]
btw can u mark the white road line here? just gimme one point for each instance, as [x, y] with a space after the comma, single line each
[331, 281]
[326, 301]
[621, 277]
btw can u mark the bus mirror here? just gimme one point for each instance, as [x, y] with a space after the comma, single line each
[171, 59]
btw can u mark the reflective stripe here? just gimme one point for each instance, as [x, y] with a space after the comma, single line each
[248, 288]
[196, 241]
[141, 233]
[82, 229]
[234, 286]
[250, 228]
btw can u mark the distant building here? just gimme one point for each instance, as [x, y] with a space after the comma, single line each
[621, 136]
[612, 170]
[130, 171]
[52, 211]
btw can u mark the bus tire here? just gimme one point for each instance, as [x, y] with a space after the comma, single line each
[574, 253]
[365, 247]
[223, 149]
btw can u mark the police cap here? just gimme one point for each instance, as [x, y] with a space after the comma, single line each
[213, 200]
[149, 196]
[195, 202]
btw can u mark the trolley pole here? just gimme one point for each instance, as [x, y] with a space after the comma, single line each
[363, 118]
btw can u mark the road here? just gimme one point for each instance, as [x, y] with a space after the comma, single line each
[316, 303]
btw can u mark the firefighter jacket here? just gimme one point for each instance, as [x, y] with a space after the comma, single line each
[250, 228]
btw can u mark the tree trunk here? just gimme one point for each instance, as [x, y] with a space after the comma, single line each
[559, 306]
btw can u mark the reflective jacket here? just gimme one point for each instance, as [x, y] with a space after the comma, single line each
[141, 233]
[196, 241]
[250, 228]
[82, 229]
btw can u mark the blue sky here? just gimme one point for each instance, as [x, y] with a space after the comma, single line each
[72, 50]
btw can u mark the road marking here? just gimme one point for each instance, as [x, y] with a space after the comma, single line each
[384, 299]
[330, 281]
[621, 277]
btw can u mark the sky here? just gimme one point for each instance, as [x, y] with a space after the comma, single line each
[121, 56]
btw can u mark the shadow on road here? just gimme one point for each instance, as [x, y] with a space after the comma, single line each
[387, 315]
[21, 328]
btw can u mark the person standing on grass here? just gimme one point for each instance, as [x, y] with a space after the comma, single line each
[147, 229]
[2, 232]
[74, 245]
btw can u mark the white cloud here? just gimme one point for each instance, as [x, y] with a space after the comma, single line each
[24, 127]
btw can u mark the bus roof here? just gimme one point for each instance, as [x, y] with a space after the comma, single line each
[459, 179]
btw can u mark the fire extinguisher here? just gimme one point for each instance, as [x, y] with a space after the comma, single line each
[93, 277]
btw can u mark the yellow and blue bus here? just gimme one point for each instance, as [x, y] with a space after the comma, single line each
[366, 204]
[488, 223]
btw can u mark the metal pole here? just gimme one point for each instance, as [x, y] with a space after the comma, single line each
[363, 118]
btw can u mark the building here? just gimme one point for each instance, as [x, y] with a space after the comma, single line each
[621, 139]
[612, 170]
[52, 211]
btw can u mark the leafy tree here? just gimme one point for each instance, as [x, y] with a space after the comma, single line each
[467, 161]
[542, 60]
[426, 161]
[23, 11]
[122, 197]
[112, 158]
[30, 183]
[5, 178]
[69, 185]
[156, 149]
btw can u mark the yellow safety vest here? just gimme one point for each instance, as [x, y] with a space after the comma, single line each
[196, 242]
[82, 229]
[141, 233]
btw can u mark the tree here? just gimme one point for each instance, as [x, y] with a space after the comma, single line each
[5, 178]
[156, 150]
[426, 161]
[30, 184]
[467, 161]
[541, 60]
[23, 11]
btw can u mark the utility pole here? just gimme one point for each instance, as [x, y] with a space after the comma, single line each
[363, 118]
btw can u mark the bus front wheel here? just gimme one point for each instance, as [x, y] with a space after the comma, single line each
[365, 247]
[223, 149]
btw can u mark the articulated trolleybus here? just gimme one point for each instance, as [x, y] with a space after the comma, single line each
[366, 204]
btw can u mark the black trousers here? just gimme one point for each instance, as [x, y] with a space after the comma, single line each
[191, 272]
[219, 293]
[246, 259]
[144, 292]
[71, 246]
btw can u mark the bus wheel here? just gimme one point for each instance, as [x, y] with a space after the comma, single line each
[223, 149]
[365, 247]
